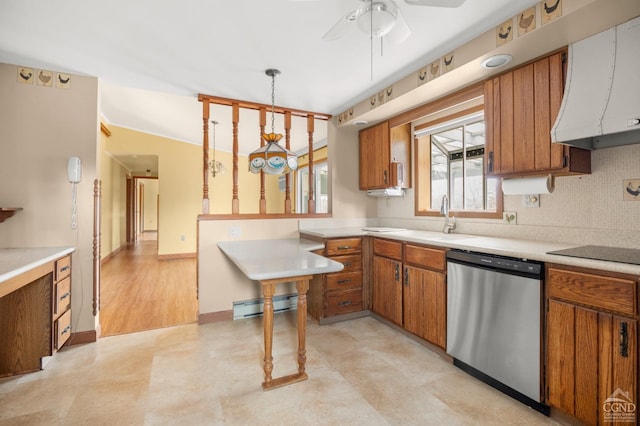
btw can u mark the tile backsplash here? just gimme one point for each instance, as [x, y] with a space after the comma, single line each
[585, 209]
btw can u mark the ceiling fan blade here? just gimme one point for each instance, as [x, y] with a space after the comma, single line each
[400, 31]
[435, 3]
[341, 27]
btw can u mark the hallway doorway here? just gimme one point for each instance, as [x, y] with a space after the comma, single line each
[137, 291]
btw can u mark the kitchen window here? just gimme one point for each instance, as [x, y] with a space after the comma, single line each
[450, 161]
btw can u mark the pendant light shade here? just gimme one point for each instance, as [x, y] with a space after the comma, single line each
[272, 158]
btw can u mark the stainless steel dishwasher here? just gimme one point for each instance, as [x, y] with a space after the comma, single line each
[494, 320]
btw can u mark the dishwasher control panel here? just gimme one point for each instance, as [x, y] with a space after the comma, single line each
[498, 263]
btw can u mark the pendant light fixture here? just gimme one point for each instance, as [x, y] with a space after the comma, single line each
[215, 166]
[272, 158]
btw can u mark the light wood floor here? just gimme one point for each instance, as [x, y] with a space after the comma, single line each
[139, 292]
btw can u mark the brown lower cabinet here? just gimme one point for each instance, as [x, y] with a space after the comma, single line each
[338, 293]
[35, 319]
[591, 345]
[409, 288]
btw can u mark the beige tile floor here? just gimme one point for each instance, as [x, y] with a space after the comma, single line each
[361, 372]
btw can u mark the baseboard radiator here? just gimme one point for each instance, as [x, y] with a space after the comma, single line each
[255, 307]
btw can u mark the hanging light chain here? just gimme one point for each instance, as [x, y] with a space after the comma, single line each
[273, 100]
[272, 72]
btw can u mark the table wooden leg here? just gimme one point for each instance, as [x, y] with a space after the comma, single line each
[302, 287]
[268, 291]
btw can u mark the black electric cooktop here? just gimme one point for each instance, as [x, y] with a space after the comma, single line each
[611, 254]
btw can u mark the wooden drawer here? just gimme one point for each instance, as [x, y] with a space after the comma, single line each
[387, 248]
[62, 327]
[346, 280]
[343, 246]
[351, 262]
[598, 291]
[344, 302]
[424, 257]
[61, 296]
[63, 268]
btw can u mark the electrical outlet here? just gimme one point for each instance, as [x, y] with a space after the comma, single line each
[509, 218]
[531, 200]
[234, 232]
[183, 237]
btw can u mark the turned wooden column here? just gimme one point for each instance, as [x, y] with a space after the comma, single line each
[287, 132]
[263, 124]
[235, 202]
[205, 157]
[268, 290]
[312, 196]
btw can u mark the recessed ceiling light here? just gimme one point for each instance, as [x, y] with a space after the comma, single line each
[360, 122]
[496, 61]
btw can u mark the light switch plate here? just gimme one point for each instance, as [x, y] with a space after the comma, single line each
[234, 232]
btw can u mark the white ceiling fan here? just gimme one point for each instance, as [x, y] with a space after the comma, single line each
[382, 18]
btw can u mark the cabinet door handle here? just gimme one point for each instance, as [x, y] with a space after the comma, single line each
[346, 303]
[66, 330]
[64, 296]
[397, 272]
[385, 177]
[624, 340]
[406, 277]
[344, 281]
[490, 165]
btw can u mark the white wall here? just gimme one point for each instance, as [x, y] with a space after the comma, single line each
[40, 128]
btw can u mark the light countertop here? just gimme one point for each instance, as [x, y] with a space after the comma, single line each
[525, 249]
[279, 258]
[16, 261]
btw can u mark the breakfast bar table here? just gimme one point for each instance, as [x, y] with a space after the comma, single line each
[272, 262]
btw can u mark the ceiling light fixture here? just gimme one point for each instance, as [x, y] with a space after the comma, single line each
[216, 167]
[496, 61]
[378, 18]
[272, 158]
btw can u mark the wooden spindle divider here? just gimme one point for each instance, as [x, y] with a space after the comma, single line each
[235, 202]
[207, 100]
[312, 202]
[205, 158]
[287, 132]
[263, 125]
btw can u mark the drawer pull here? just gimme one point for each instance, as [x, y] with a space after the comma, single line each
[345, 303]
[344, 247]
[344, 281]
[66, 330]
[347, 264]
[624, 340]
[64, 296]
[65, 268]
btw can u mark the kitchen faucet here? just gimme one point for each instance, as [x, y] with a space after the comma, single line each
[449, 223]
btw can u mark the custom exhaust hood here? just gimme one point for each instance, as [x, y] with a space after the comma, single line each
[601, 103]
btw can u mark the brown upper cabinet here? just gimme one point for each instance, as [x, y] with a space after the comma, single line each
[520, 107]
[385, 156]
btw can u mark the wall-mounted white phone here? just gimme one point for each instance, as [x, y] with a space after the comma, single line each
[74, 169]
[74, 174]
